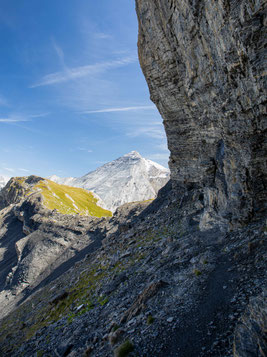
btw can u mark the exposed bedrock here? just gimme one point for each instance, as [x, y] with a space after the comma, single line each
[204, 65]
[250, 334]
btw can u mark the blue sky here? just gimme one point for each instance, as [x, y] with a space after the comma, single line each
[72, 94]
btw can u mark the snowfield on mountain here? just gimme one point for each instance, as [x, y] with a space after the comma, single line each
[3, 181]
[129, 178]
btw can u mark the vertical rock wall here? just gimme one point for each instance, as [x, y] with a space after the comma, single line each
[204, 64]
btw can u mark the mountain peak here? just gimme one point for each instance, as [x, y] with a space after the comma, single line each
[133, 154]
[127, 179]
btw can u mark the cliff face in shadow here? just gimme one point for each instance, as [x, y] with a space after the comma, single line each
[204, 65]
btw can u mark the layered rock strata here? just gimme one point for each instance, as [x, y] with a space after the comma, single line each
[204, 65]
[250, 336]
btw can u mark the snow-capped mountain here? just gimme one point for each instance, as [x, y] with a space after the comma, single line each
[127, 179]
[3, 181]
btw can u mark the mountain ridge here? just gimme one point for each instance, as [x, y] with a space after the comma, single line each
[43, 225]
[129, 178]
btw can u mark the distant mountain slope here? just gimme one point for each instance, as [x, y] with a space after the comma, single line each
[70, 200]
[65, 199]
[127, 179]
[36, 239]
[3, 181]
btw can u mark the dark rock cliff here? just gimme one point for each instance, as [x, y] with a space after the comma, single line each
[204, 65]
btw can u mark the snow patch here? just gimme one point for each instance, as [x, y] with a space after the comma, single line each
[3, 181]
[69, 197]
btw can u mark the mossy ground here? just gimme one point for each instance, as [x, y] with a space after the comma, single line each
[124, 349]
[83, 295]
[70, 200]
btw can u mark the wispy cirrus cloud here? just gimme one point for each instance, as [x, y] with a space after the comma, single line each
[159, 156]
[155, 132]
[101, 35]
[59, 51]
[83, 71]
[16, 118]
[12, 171]
[9, 169]
[81, 149]
[162, 147]
[40, 115]
[12, 120]
[123, 109]
[162, 155]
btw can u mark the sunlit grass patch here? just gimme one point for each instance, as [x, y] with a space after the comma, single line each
[70, 200]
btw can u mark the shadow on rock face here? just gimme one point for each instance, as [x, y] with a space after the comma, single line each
[250, 334]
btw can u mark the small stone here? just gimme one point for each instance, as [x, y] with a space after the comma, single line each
[88, 351]
[131, 322]
[170, 319]
[113, 337]
[80, 307]
[95, 340]
[125, 255]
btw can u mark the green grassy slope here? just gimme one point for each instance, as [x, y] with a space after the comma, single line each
[70, 200]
